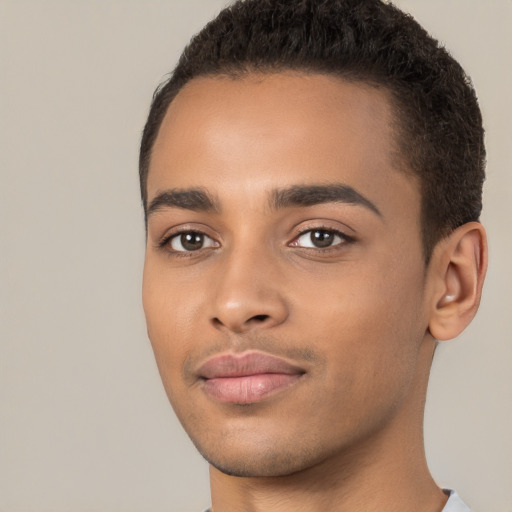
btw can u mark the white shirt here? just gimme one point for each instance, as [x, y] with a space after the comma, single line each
[454, 503]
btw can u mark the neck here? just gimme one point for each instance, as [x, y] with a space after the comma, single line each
[386, 472]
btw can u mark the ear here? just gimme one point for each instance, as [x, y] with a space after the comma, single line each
[456, 273]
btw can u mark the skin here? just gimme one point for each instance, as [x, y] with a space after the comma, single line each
[358, 317]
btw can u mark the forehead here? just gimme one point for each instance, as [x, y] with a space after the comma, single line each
[261, 132]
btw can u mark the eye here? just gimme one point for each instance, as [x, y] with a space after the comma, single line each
[320, 239]
[189, 241]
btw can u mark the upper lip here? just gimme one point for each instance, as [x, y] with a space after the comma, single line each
[245, 364]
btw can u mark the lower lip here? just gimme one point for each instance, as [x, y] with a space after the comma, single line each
[248, 389]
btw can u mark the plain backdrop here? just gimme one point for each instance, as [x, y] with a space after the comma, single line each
[85, 425]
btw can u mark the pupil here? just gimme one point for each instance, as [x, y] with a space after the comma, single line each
[322, 238]
[192, 241]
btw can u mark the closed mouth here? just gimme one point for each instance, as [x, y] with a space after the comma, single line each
[248, 377]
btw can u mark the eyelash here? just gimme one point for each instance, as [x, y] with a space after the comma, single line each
[165, 243]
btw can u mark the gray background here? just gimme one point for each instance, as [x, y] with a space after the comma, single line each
[85, 424]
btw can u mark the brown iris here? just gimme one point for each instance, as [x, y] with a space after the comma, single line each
[322, 238]
[192, 241]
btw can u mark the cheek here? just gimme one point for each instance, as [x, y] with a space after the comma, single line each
[170, 323]
[369, 324]
[170, 304]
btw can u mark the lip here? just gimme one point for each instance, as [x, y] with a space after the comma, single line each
[247, 378]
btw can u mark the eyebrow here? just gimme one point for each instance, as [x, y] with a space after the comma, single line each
[311, 195]
[195, 199]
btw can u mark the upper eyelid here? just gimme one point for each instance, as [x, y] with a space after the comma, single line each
[330, 230]
[179, 230]
[327, 223]
[321, 227]
[345, 239]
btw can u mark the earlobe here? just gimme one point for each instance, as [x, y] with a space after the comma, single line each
[457, 271]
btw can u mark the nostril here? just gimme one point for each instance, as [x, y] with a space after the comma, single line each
[236, 320]
[259, 318]
[256, 319]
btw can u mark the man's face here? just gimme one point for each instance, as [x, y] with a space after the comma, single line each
[284, 279]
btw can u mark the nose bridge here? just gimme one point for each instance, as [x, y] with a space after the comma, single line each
[248, 290]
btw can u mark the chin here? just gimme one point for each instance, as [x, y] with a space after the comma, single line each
[261, 463]
[254, 469]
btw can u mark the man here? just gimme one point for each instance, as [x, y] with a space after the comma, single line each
[311, 175]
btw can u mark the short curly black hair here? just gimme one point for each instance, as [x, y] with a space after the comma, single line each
[440, 135]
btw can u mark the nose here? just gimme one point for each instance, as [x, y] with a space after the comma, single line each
[248, 294]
